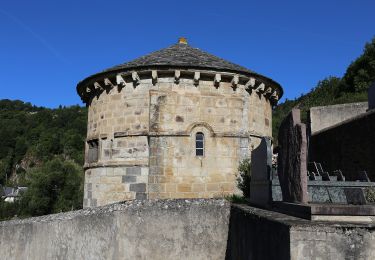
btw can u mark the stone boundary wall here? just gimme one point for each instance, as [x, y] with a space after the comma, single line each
[348, 146]
[182, 229]
[156, 229]
[261, 234]
[327, 116]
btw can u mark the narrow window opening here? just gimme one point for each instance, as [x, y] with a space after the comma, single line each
[199, 144]
[93, 152]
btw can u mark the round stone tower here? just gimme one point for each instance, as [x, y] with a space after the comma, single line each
[172, 124]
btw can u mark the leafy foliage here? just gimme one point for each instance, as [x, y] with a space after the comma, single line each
[333, 90]
[43, 149]
[243, 180]
[54, 187]
[236, 199]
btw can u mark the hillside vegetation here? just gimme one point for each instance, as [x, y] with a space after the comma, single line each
[352, 87]
[42, 149]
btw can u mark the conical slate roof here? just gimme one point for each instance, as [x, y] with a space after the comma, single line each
[181, 55]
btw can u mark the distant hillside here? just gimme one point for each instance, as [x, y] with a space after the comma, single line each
[352, 87]
[43, 149]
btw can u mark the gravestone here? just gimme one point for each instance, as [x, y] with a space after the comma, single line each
[371, 96]
[355, 196]
[292, 159]
[261, 165]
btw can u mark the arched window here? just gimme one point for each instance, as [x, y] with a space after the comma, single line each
[199, 144]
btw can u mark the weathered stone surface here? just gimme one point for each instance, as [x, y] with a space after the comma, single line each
[292, 158]
[261, 165]
[323, 117]
[260, 234]
[127, 179]
[138, 187]
[146, 126]
[158, 229]
[355, 196]
[133, 171]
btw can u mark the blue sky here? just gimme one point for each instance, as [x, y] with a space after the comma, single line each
[47, 47]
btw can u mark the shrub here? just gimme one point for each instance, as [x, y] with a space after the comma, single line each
[244, 177]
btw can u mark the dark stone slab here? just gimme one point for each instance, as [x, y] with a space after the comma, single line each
[355, 196]
[261, 165]
[130, 178]
[292, 158]
[140, 196]
[138, 187]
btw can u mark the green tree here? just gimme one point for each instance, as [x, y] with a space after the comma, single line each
[361, 72]
[54, 187]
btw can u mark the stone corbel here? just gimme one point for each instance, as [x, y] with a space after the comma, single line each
[108, 83]
[268, 91]
[177, 75]
[135, 78]
[275, 96]
[234, 82]
[97, 86]
[250, 84]
[217, 80]
[197, 76]
[260, 88]
[120, 81]
[154, 76]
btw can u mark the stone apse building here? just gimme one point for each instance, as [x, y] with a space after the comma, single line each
[172, 124]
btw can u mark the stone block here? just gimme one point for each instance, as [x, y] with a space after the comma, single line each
[170, 187]
[112, 179]
[198, 187]
[355, 196]
[133, 171]
[140, 196]
[138, 187]
[212, 187]
[156, 188]
[128, 179]
[184, 187]
[216, 178]
[93, 202]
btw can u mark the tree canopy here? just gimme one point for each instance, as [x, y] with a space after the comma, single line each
[42, 149]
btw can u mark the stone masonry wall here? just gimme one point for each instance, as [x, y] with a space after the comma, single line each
[349, 146]
[260, 234]
[175, 171]
[178, 229]
[327, 116]
[152, 127]
[182, 229]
